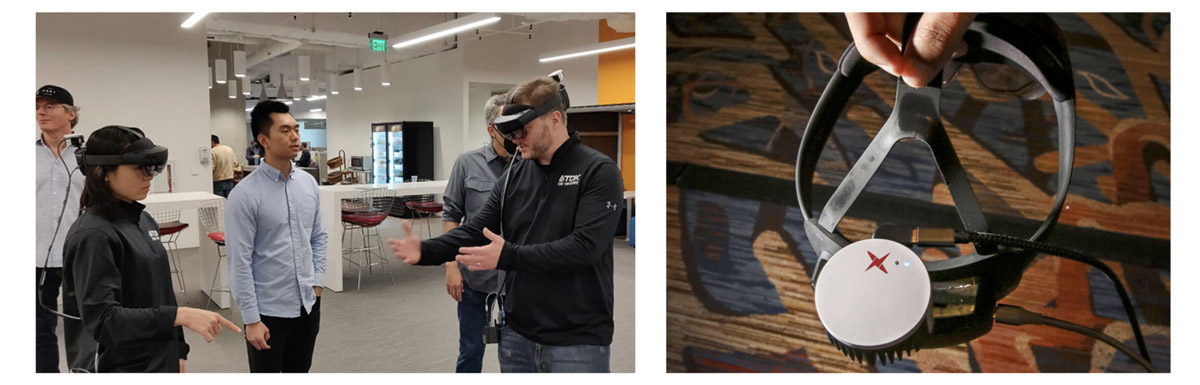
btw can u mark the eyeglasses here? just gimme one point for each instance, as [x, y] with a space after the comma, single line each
[48, 107]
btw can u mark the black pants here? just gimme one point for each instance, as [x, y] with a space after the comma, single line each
[47, 341]
[292, 341]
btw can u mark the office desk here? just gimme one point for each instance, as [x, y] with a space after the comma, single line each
[331, 211]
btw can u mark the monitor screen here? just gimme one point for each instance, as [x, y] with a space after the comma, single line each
[356, 162]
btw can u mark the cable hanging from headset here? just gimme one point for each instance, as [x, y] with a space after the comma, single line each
[1004, 240]
[1017, 316]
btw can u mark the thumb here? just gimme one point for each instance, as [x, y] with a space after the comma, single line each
[490, 235]
[408, 229]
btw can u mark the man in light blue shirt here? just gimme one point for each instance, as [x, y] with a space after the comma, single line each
[276, 242]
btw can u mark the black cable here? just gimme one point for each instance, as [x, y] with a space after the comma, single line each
[1013, 315]
[998, 239]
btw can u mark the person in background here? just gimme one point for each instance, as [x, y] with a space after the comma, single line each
[58, 187]
[116, 271]
[471, 182]
[223, 164]
[254, 153]
[305, 156]
[276, 241]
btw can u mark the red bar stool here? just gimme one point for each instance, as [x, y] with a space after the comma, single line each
[365, 213]
[212, 222]
[425, 208]
[169, 228]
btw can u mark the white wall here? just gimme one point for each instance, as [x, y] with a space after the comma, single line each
[436, 88]
[137, 70]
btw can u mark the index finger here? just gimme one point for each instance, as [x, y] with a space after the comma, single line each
[871, 33]
[229, 325]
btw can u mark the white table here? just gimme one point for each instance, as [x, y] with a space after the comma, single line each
[186, 203]
[331, 209]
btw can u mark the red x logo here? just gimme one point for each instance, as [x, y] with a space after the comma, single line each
[877, 262]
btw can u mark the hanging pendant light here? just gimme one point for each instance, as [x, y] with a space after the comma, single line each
[239, 64]
[358, 79]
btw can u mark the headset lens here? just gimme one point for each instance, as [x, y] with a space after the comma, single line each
[153, 170]
[517, 134]
[1006, 79]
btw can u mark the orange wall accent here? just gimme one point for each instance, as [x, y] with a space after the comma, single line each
[627, 150]
[615, 85]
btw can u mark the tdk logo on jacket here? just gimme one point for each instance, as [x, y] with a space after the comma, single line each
[569, 180]
[153, 235]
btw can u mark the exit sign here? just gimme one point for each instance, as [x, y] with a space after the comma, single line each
[378, 41]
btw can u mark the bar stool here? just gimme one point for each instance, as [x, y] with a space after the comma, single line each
[365, 212]
[212, 222]
[424, 207]
[169, 228]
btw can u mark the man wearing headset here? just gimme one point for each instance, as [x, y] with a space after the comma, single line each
[558, 209]
[471, 183]
[59, 184]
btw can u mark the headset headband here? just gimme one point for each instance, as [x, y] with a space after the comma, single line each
[141, 152]
[515, 116]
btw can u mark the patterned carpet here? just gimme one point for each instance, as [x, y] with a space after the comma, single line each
[740, 88]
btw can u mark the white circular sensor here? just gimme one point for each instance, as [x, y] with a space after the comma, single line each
[873, 294]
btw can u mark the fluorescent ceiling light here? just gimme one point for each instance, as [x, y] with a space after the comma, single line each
[315, 110]
[315, 98]
[592, 49]
[287, 102]
[249, 109]
[444, 29]
[193, 19]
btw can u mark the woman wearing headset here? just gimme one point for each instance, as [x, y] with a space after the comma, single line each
[115, 269]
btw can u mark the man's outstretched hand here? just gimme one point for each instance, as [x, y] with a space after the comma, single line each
[407, 250]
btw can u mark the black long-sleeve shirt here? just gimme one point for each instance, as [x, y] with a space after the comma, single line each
[558, 223]
[117, 274]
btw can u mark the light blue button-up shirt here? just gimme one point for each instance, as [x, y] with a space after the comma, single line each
[52, 185]
[276, 242]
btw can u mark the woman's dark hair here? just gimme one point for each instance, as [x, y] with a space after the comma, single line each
[98, 196]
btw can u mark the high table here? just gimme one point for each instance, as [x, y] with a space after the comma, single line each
[331, 210]
[186, 203]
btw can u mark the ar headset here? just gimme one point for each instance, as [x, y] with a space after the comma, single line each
[512, 121]
[876, 298]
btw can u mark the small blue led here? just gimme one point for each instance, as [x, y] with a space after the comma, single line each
[906, 263]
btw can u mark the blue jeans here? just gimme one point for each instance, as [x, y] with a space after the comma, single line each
[471, 320]
[47, 340]
[520, 355]
[223, 187]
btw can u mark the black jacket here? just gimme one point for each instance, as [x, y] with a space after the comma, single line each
[558, 221]
[116, 275]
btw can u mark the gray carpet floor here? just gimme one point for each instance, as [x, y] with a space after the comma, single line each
[411, 327]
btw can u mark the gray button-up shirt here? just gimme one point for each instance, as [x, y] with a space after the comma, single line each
[276, 242]
[52, 185]
[470, 185]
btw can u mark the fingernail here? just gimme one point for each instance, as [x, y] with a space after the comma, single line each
[889, 69]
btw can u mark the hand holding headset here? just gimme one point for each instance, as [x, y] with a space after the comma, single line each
[876, 298]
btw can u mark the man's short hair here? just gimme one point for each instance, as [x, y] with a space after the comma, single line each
[537, 91]
[491, 109]
[260, 118]
[216, 140]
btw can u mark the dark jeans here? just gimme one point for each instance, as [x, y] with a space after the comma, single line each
[223, 187]
[520, 355]
[471, 319]
[47, 341]
[292, 341]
